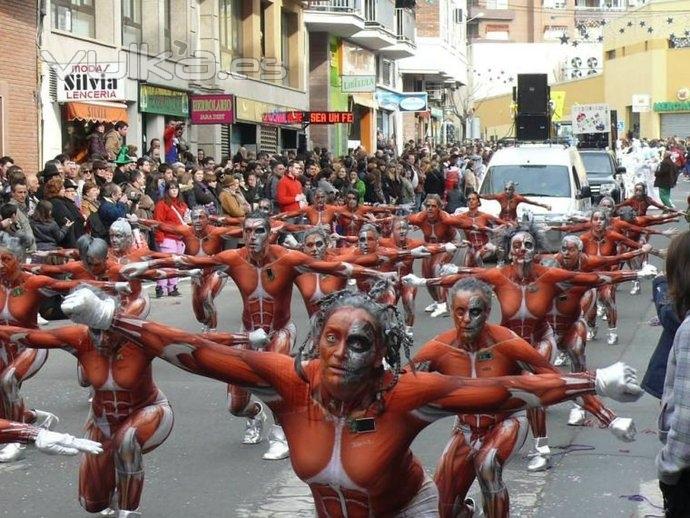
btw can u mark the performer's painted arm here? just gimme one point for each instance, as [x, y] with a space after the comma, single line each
[593, 279]
[158, 274]
[65, 253]
[598, 262]
[42, 282]
[659, 219]
[620, 238]
[185, 262]
[658, 205]
[256, 339]
[52, 269]
[53, 443]
[178, 230]
[459, 395]
[461, 221]
[226, 220]
[523, 199]
[447, 281]
[290, 214]
[304, 263]
[574, 228]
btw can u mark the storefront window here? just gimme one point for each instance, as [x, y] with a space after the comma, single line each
[75, 16]
[131, 22]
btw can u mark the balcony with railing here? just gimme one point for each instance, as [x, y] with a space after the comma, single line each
[406, 34]
[490, 10]
[380, 25]
[601, 5]
[342, 18]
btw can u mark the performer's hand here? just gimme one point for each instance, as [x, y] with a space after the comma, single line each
[450, 247]
[195, 273]
[133, 218]
[420, 251]
[290, 242]
[670, 232]
[646, 248]
[132, 270]
[41, 253]
[412, 280]
[388, 276]
[619, 382]
[257, 339]
[55, 443]
[448, 269]
[123, 288]
[623, 428]
[648, 271]
[83, 306]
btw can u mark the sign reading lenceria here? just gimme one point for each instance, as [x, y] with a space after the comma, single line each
[672, 106]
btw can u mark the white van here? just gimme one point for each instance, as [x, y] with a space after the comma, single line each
[552, 174]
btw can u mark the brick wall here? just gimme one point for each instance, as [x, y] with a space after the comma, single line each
[18, 20]
[427, 19]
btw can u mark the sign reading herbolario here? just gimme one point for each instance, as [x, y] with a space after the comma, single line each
[90, 82]
[212, 109]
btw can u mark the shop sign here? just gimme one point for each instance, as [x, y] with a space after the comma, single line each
[356, 60]
[330, 117]
[283, 118]
[672, 106]
[163, 101]
[319, 117]
[90, 82]
[641, 103]
[403, 102]
[259, 112]
[212, 109]
[358, 84]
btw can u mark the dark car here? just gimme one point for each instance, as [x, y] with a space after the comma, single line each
[603, 174]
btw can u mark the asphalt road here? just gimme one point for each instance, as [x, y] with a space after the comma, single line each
[204, 470]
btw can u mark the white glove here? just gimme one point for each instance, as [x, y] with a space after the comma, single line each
[412, 280]
[646, 248]
[83, 306]
[131, 270]
[388, 276]
[448, 269]
[257, 339]
[619, 382]
[419, 251]
[300, 197]
[648, 271]
[450, 247]
[671, 231]
[623, 428]
[195, 272]
[123, 287]
[291, 242]
[55, 443]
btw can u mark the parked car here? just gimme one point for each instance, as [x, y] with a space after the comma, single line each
[604, 174]
[548, 173]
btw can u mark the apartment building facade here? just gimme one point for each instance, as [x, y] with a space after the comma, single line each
[354, 48]
[18, 95]
[440, 68]
[246, 57]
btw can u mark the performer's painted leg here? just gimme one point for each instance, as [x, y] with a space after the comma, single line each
[454, 476]
[541, 458]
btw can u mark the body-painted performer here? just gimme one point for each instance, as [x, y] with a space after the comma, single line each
[509, 201]
[52, 443]
[640, 201]
[526, 293]
[129, 415]
[97, 263]
[349, 421]
[481, 248]
[322, 214]
[438, 227]
[481, 445]
[21, 294]
[264, 274]
[352, 215]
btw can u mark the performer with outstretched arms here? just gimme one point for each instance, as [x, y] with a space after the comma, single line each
[350, 421]
[509, 201]
[264, 274]
[52, 443]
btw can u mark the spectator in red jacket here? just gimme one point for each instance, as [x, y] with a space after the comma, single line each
[289, 193]
[172, 210]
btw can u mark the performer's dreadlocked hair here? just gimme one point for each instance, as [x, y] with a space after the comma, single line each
[391, 328]
[530, 228]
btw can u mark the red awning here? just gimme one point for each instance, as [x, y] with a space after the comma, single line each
[101, 112]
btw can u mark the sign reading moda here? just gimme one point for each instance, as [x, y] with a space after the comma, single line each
[90, 82]
[212, 109]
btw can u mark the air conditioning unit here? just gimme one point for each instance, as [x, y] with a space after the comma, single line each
[457, 15]
[575, 73]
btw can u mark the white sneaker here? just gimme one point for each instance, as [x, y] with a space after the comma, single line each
[254, 429]
[540, 460]
[278, 447]
[592, 333]
[128, 514]
[562, 359]
[41, 321]
[12, 452]
[635, 288]
[577, 416]
[600, 310]
[440, 311]
[108, 511]
[430, 307]
[612, 338]
[409, 331]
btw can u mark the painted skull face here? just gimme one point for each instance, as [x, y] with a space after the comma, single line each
[120, 240]
[95, 265]
[315, 246]
[639, 191]
[522, 248]
[351, 201]
[255, 235]
[432, 208]
[348, 351]
[199, 220]
[367, 242]
[509, 189]
[264, 207]
[473, 202]
[470, 313]
[319, 199]
[400, 230]
[9, 264]
[606, 204]
[570, 252]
